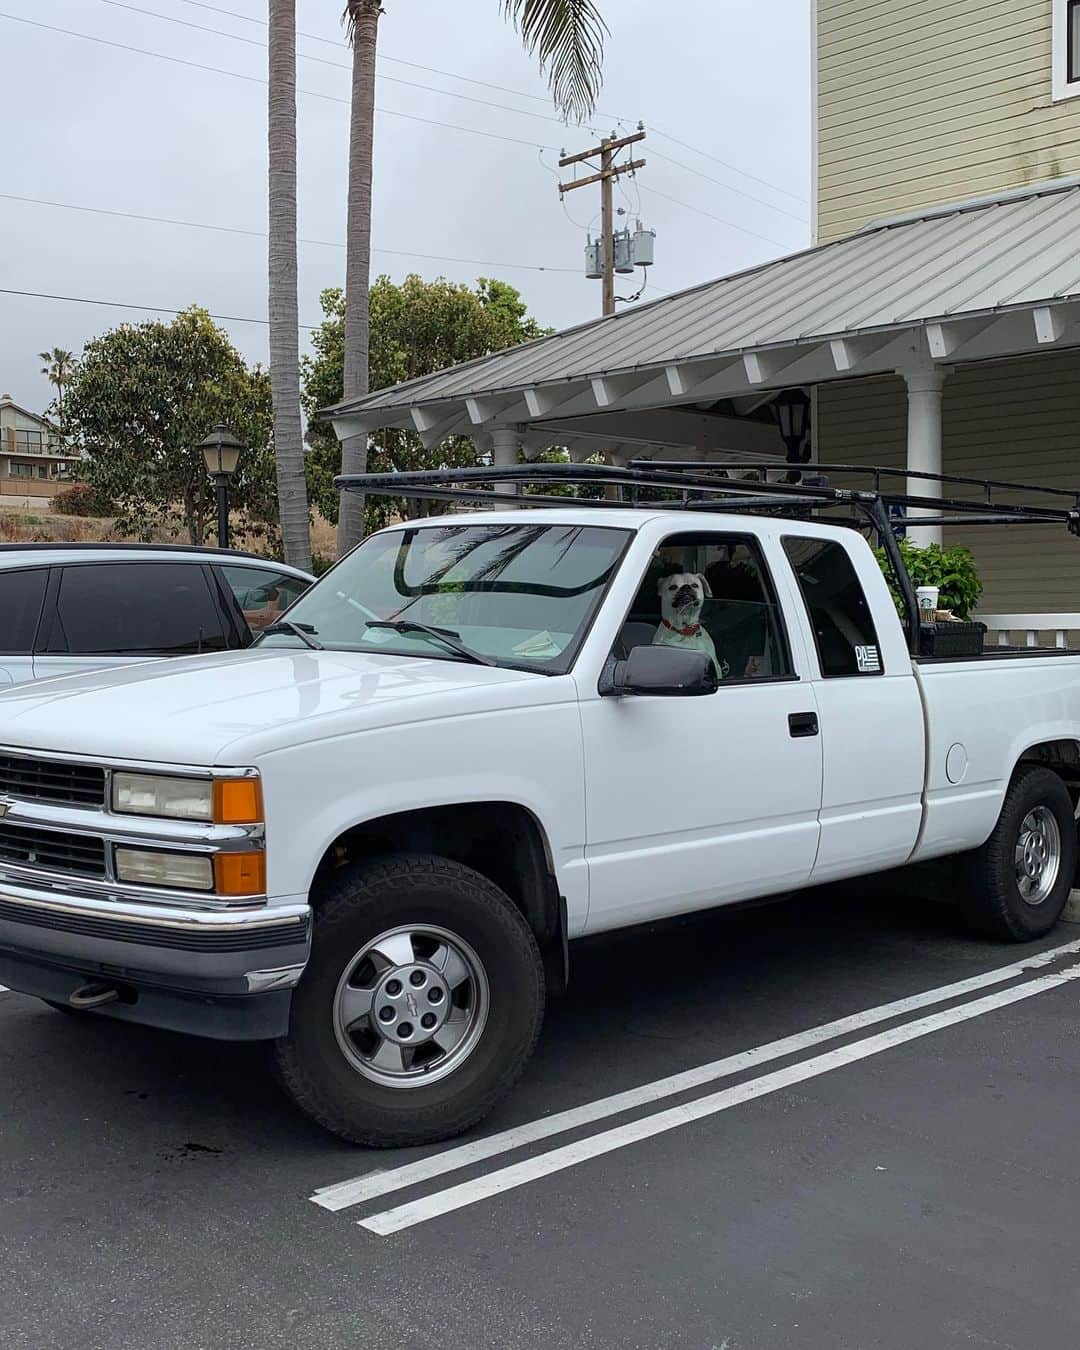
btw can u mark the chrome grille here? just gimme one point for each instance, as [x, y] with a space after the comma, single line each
[51, 780]
[79, 854]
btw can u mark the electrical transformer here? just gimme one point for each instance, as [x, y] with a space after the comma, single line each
[642, 246]
[594, 264]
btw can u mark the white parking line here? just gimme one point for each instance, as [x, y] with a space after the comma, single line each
[343, 1194]
[556, 1160]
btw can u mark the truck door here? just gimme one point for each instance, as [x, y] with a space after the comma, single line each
[872, 726]
[694, 801]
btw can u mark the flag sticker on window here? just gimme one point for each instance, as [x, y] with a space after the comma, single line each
[867, 660]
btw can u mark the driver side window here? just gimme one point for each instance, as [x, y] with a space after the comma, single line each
[711, 593]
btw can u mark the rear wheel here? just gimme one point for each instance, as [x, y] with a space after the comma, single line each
[1018, 883]
[420, 1006]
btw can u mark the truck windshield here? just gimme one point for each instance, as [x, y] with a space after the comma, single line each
[520, 595]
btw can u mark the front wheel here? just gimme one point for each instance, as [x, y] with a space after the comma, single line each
[420, 1006]
[1018, 882]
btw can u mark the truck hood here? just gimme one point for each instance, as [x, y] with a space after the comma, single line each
[227, 708]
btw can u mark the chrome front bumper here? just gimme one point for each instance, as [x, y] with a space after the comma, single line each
[225, 972]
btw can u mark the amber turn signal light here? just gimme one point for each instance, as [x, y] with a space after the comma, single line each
[240, 873]
[237, 801]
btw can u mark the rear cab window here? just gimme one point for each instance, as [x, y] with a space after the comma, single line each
[21, 594]
[840, 616]
[121, 609]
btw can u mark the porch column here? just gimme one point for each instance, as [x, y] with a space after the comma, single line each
[505, 444]
[924, 389]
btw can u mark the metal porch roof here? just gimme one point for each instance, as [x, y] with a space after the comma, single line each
[979, 258]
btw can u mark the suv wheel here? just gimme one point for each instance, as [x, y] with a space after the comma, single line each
[420, 1006]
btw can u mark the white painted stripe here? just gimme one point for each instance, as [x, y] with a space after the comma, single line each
[356, 1190]
[569, 1155]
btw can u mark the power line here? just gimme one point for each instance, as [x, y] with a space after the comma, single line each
[733, 167]
[516, 93]
[719, 219]
[261, 234]
[336, 65]
[687, 168]
[148, 309]
[256, 79]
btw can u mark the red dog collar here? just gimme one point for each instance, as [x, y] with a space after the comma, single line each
[692, 630]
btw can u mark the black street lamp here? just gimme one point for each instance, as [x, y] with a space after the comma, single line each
[791, 408]
[221, 451]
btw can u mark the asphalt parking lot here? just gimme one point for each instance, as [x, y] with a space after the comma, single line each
[832, 1122]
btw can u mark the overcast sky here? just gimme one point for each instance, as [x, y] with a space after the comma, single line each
[95, 126]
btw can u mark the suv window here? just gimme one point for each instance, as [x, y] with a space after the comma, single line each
[20, 607]
[711, 593]
[263, 595]
[160, 609]
[840, 616]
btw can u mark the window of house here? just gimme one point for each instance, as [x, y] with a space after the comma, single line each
[43, 471]
[160, 609]
[28, 442]
[1066, 58]
[21, 470]
[840, 616]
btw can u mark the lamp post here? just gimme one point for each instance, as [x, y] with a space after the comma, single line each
[791, 408]
[221, 451]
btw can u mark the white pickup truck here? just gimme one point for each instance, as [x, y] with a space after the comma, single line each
[370, 838]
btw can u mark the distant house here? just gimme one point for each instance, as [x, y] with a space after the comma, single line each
[33, 463]
[935, 323]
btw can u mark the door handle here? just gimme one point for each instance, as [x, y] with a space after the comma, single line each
[803, 724]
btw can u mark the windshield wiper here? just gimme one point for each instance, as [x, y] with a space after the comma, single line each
[304, 631]
[446, 636]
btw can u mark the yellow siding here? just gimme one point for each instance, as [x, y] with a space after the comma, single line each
[921, 103]
[1017, 420]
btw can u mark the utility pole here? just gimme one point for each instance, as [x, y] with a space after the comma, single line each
[609, 171]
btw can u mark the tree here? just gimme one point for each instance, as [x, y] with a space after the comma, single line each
[416, 328]
[567, 36]
[139, 402]
[58, 366]
[282, 292]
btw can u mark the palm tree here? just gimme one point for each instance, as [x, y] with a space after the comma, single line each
[59, 367]
[567, 36]
[282, 292]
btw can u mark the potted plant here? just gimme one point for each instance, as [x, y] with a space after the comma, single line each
[953, 572]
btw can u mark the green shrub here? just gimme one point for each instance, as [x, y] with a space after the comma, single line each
[952, 570]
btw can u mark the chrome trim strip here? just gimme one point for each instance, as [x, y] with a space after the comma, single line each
[137, 831]
[119, 892]
[128, 765]
[182, 920]
[260, 981]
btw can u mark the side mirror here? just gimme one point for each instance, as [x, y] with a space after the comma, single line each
[671, 672]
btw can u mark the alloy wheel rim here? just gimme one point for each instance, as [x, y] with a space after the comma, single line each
[1037, 858]
[411, 1006]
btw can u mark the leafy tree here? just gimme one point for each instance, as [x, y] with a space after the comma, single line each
[416, 328]
[142, 398]
[59, 366]
[567, 38]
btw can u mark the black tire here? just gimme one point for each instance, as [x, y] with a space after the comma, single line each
[363, 902]
[993, 902]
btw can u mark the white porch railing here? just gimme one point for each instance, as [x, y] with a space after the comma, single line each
[1032, 630]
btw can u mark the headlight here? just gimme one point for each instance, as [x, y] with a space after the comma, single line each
[183, 871]
[223, 801]
[145, 794]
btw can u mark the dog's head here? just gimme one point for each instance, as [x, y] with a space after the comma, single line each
[682, 596]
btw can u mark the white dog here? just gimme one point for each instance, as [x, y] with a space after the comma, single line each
[682, 597]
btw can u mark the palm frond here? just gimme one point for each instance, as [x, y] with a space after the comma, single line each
[352, 12]
[568, 38]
